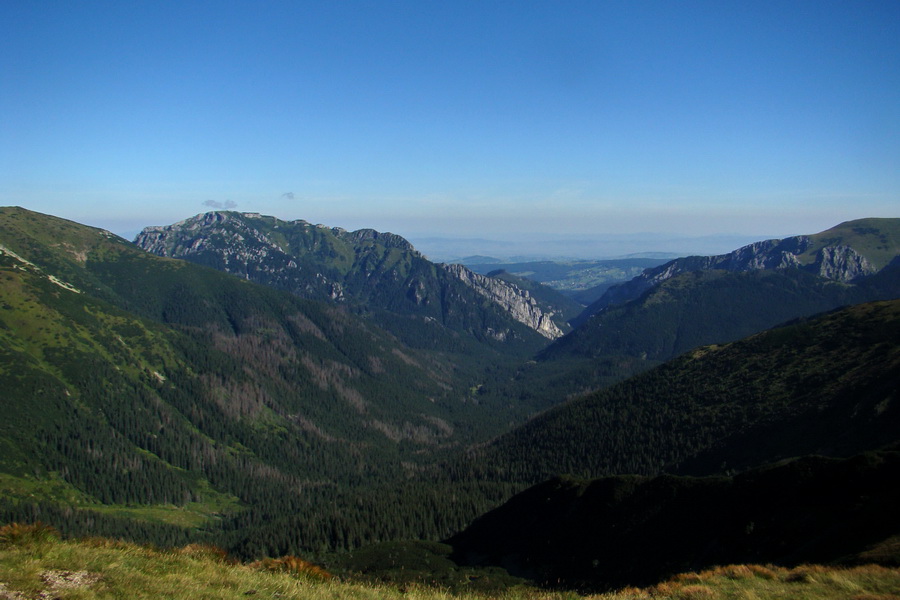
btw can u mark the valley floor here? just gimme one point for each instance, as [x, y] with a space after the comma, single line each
[34, 563]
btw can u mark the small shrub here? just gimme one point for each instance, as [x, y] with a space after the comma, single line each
[804, 573]
[22, 535]
[696, 592]
[293, 565]
[763, 572]
[733, 572]
[203, 551]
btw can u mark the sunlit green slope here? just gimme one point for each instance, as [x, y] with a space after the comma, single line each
[150, 388]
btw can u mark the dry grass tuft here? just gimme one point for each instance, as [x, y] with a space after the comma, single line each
[689, 577]
[696, 592]
[293, 565]
[666, 588]
[204, 552]
[106, 543]
[20, 534]
[732, 572]
[632, 593]
[805, 573]
[763, 572]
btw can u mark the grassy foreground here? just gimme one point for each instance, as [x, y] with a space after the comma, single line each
[34, 563]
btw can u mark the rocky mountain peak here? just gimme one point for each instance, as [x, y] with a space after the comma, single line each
[842, 263]
[364, 268]
[389, 240]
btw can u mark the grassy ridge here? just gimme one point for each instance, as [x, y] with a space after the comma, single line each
[36, 564]
[876, 239]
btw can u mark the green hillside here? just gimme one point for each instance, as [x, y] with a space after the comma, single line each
[825, 385]
[161, 395]
[713, 307]
[876, 239]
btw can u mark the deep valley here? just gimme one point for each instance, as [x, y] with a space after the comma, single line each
[281, 388]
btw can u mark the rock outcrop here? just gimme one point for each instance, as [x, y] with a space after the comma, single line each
[516, 301]
[835, 261]
[229, 242]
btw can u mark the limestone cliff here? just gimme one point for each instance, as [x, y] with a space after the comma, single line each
[517, 302]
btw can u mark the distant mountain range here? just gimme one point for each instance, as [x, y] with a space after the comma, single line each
[583, 281]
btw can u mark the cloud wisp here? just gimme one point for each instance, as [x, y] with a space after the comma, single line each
[227, 205]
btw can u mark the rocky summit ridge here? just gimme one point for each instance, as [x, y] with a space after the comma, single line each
[381, 271]
[845, 253]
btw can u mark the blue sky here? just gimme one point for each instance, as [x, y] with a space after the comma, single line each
[501, 120]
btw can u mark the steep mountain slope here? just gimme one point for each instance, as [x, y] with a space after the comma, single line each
[517, 300]
[848, 252]
[629, 530]
[160, 389]
[377, 273]
[701, 307]
[562, 305]
[827, 385]
[693, 301]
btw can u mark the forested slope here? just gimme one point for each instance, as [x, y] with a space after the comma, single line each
[157, 390]
[703, 307]
[825, 385]
[630, 530]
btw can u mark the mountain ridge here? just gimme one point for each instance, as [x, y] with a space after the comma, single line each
[847, 252]
[365, 268]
